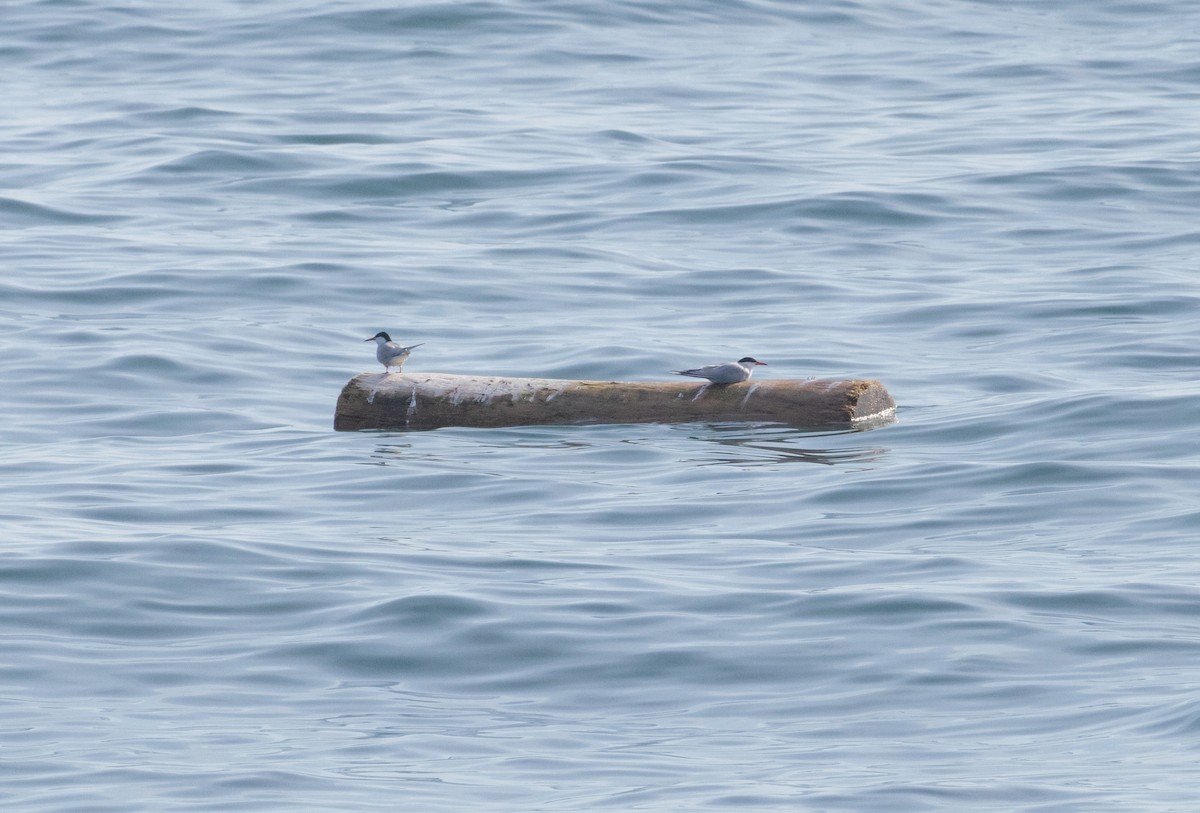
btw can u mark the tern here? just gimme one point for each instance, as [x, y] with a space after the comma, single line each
[390, 353]
[731, 372]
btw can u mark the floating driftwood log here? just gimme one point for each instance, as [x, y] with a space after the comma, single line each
[430, 400]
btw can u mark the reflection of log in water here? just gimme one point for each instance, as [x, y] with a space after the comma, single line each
[430, 400]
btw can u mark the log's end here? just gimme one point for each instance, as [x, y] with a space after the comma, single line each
[356, 407]
[431, 400]
[868, 401]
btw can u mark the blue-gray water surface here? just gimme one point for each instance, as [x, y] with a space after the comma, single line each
[213, 602]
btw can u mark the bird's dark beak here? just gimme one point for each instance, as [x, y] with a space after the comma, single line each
[763, 364]
[370, 339]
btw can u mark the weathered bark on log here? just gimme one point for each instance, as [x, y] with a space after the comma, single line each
[431, 400]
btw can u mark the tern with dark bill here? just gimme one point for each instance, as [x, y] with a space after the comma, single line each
[390, 353]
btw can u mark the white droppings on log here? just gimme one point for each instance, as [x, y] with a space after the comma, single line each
[412, 404]
[749, 392]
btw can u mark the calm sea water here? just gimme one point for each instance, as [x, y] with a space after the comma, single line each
[212, 602]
